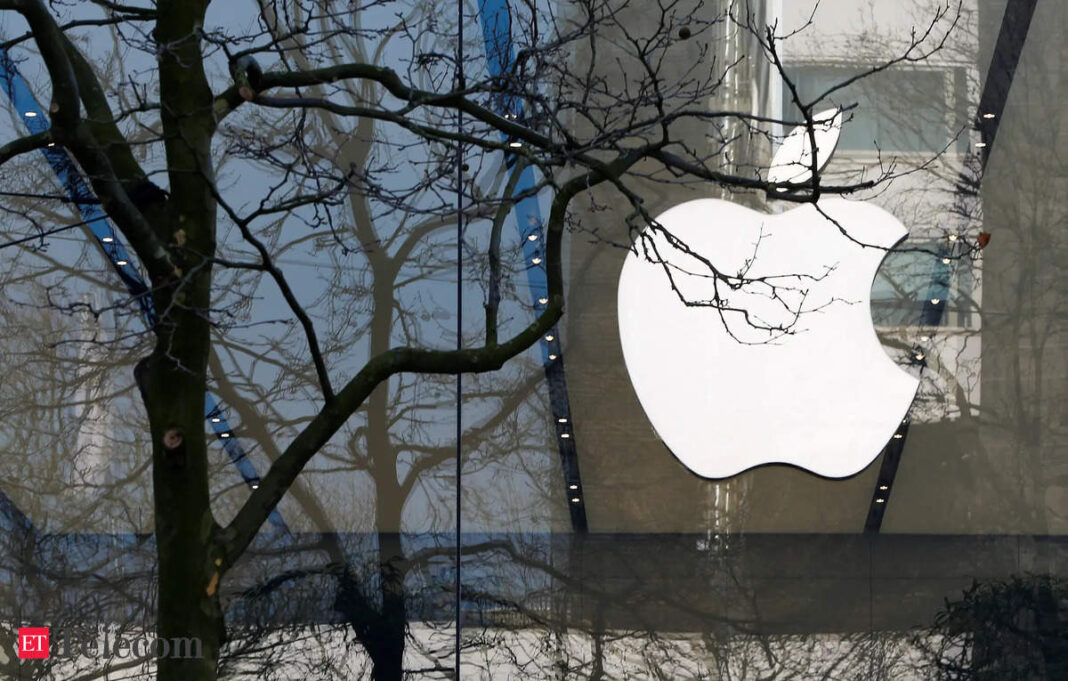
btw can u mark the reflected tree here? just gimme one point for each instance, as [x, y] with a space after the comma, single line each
[1008, 630]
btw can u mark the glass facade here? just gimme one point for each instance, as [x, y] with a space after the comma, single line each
[515, 514]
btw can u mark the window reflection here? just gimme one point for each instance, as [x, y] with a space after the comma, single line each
[900, 109]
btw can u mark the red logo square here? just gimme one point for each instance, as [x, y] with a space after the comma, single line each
[33, 643]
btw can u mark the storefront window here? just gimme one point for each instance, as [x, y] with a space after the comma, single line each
[348, 341]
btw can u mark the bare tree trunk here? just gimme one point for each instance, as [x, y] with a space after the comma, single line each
[189, 617]
[381, 630]
[388, 652]
[191, 560]
[386, 644]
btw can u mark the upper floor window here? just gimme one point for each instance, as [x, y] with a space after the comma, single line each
[901, 109]
[921, 285]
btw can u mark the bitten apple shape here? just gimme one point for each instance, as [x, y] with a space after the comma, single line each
[787, 369]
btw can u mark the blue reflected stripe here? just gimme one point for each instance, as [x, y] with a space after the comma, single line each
[79, 191]
[36, 121]
[496, 20]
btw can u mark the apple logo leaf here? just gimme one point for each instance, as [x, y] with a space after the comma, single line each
[792, 163]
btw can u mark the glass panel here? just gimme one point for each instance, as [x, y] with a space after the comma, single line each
[912, 278]
[899, 109]
[528, 507]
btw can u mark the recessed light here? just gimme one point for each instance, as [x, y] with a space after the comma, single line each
[988, 116]
[515, 145]
[536, 260]
[224, 435]
[122, 263]
[880, 500]
[572, 486]
[532, 237]
[952, 237]
[561, 420]
[255, 486]
[565, 435]
[980, 145]
[935, 301]
[50, 144]
[549, 337]
[575, 500]
[884, 487]
[946, 261]
[107, 239]
[215, 419]
[924, 339]
[898, 436]
[30, 114]
[552, 356]
[919, 356]
[543, 300]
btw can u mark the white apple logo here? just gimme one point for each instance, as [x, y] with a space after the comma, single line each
[791, 371]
